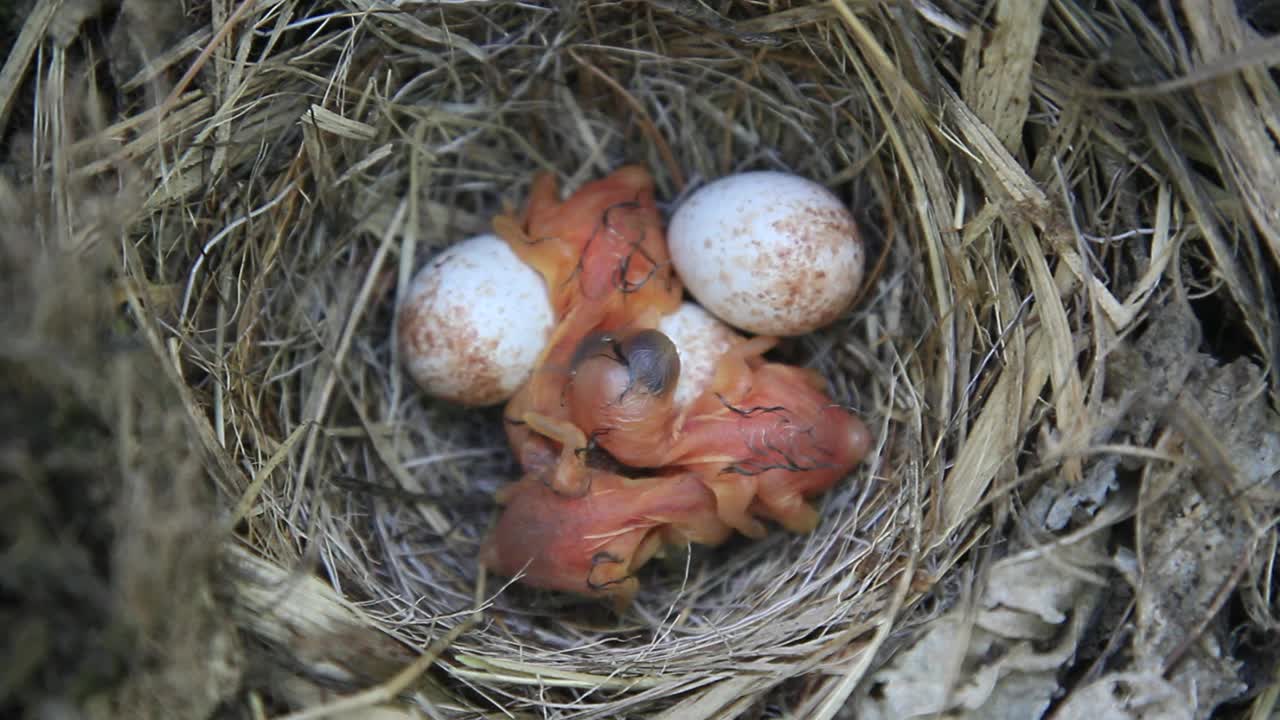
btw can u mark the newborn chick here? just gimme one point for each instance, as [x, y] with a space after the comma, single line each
[763, 438]
[602, 252]
[621, 391]
[603, 255]
[619, 396]
[768, 447]
[593, 544]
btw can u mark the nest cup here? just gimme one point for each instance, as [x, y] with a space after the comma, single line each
[268, 176]
[428, 136]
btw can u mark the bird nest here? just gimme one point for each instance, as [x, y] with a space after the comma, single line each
[1065, 346]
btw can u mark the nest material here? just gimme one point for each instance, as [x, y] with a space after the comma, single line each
[1037, 180]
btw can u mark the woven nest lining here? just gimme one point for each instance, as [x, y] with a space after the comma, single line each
[269, 200]
[396, 504]
[788, 602]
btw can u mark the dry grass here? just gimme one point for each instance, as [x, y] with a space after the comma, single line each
[1042, 181]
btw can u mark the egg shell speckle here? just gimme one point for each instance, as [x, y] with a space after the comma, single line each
[700, 339]
[474, 322]
[768, 252]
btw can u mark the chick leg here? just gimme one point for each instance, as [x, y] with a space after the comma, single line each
[570, 477]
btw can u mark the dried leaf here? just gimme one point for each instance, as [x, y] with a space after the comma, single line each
[1126, 696]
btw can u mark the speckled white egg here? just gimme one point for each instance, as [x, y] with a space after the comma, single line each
[768, 252]
[474, 322]
[700, 339]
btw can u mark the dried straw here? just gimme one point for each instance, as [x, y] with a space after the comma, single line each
[1035, 176]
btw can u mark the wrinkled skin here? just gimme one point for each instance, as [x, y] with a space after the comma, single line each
[603, 255]
[620, 384]
[593, 544]
[761, 441]
[764, 437]
[771, 445]
[602, 252]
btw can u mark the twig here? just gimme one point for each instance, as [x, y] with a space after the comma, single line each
[390, 689]
[205, 54]
[1219, 599]
[15, 67]
[646, 123]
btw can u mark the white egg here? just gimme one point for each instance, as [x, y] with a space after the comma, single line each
[768, 252]
[474, 322]
[700, 340]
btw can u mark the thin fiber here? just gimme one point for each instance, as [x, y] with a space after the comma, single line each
[1036, 179]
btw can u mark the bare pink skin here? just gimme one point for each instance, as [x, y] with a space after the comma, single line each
[603, 254]
[764, 438]
[758, 444]
[593, 544]
[622, 392]
[602, 251]
[766, 451]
